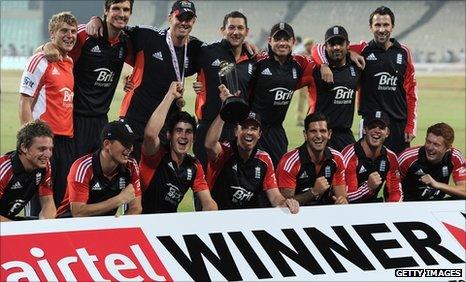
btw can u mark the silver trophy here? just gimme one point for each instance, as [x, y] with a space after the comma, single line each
[234, 109]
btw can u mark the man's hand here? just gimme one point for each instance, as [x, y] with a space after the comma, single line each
[357, 59]
[176, 90]
[127, 194]
[51, 52]
[320, 186]
[198, 87]
[374, 180]
[252, 49]
[428, 180]
[129, 85]
[409, 137]
[341, 200]
[326, 73]
[94, 27]
[292, 205]
[224, 92]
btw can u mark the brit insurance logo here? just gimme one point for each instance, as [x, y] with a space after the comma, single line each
[122, 254]
[282, 96]
[68, 95]
[386, 81]
[104, 77]
[343, 95]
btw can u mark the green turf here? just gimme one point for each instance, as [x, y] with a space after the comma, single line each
[441, 98]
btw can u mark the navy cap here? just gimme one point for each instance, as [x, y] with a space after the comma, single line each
[336, 31]
[118, 130]
[282, 26]
[183, 6]
[252, 116]
[377, 116]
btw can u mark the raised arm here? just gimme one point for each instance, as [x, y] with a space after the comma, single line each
[212, 144]
[151, 142]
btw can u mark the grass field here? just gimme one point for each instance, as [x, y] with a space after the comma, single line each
[440, 98]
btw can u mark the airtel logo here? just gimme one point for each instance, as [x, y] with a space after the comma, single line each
[99, 255]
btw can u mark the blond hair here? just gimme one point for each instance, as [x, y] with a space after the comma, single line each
[60, 18]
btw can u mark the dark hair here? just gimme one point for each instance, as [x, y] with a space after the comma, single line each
[317, 116]
[181, 117]
[109, 3]
[382, 10]
[234, 14]
[30, 130]
[444, 130]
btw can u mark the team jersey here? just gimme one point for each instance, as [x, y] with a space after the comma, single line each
[164, 184]
[388, 81]
[98, 65]
[236, 183]
[273, 86]
[358, 168]
[337, 100]
[17, 186]
[414, 164]
[297, 171]
[51, 86]
[208, 102]
[87, 183]
[153, 71]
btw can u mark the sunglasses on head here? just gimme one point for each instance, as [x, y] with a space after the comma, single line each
[185, 17]
[373, 125]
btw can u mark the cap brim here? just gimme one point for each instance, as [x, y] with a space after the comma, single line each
[249, 121]
[284, 31]
[336, 36]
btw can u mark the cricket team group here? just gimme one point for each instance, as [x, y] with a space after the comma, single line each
[70, 161]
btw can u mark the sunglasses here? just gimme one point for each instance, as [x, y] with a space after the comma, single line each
[185, 17]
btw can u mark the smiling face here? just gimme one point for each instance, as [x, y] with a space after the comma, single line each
[235, 31]
[181, 24]
[39, 153]
[118, 152]
[435, 148]
[64, 37]
[118, 15]
[381, 28]
[376, 133]
[282, 43]
[317, 136]
[181, 138]
[248, 135]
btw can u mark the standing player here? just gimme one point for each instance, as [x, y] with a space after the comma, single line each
[388, 81]
[313, 173]
[231, 50]
[336, 100]
[98, 62]
[47, 94]
[276, 77]
[161, 56]
[26, 171]
[167, 172]
[369, 164]
[238, 171]
[101, 182]
[425, 171]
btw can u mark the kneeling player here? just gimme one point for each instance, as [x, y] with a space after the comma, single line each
[168, 172]
[425, 171]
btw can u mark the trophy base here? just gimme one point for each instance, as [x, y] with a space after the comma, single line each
[234, 110]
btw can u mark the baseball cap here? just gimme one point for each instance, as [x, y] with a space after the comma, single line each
[375, 116]
[254, 117]
[282, 26]
[336, 31]
[119, 130]
[183, 6]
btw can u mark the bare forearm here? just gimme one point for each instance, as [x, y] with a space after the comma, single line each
[25, 110]
[458, 190]
[157, 119]
[97, 208]
[3, 219]
[212, 144]
[134, 207]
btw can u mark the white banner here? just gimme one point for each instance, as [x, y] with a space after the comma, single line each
[389, 241]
